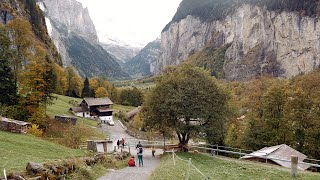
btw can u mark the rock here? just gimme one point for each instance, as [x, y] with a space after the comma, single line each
[34, 168]
[278, 43]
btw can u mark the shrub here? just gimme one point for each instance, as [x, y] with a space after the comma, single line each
[35, 130]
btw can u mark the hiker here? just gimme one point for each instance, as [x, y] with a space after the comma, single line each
[140, 157]
[122, 143]
[153, 150]
[138, 145]
[118, 143]
[131, 162]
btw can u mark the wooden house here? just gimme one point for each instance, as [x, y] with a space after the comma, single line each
[94, 108]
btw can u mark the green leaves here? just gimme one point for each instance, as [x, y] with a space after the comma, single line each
[186, 99]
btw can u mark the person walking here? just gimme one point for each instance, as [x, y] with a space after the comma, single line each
[153, 150]
[140, 156]
[122, 143]
[118, 143]
[138, 145]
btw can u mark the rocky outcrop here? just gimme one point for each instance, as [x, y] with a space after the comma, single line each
[75, 37]
[140, 65]
[73, 16]
[260, 41]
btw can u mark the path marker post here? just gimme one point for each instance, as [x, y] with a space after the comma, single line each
[174, 162]
[5, 174]
[294, 166]
[189, 167]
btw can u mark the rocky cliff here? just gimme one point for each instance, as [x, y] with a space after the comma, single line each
[140, 65]
[75, 36]
[280, 38]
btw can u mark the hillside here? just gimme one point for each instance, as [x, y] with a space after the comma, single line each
[140, 65]
[222, 168]
[75, 36]
[274, 37]
[29, 11]
[16, 150]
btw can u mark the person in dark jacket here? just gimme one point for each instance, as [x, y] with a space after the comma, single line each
[118, 143]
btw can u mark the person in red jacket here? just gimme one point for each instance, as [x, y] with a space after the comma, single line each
[131, 162]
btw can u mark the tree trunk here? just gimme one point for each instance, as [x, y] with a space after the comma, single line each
[183, 141]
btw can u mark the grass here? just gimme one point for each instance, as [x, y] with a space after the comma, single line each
[122, 108]
[61, 106]
[218, 168]
[18, 149]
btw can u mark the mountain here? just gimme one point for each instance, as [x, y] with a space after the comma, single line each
[252, 37]
[121, 51]
[140, 65]
[75, 36]
[27, 10]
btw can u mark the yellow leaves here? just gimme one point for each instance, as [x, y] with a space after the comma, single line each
[101, 92]
[35, 130]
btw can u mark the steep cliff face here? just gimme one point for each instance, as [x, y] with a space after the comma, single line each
[140, 65]
[71, 14]
[75, 36]
[260, 40]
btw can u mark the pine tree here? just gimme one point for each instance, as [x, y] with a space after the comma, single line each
[8, 89]
[86, 88]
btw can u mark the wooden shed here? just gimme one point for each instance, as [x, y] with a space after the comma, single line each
[100, 146]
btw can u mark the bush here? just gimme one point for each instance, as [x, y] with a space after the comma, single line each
[35, 130]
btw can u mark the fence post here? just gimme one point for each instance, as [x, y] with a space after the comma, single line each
[294, 166]
[129, 147]
[189, 167]
[5, 174]
[174, 162]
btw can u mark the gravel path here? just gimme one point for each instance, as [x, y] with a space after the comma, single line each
[131, 173]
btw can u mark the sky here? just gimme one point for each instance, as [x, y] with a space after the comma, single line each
[135, 22]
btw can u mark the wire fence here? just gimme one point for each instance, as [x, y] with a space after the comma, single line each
[189, 162]
[223, 150]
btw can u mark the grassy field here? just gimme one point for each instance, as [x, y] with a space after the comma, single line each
[216, 168]
[61, 106]
[16, 150]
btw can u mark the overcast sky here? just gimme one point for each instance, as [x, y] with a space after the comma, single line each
[131, 21]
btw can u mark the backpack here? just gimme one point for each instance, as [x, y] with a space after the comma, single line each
[140, 150]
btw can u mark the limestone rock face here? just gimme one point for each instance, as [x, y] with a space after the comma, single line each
[282, 44]
[71, 14]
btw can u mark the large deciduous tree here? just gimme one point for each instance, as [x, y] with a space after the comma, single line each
[187, 100]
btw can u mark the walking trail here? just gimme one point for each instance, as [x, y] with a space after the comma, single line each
[131, 173]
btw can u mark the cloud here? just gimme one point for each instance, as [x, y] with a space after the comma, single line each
[131, 21]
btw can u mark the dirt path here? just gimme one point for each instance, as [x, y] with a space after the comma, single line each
[136, 173]
[131, 173]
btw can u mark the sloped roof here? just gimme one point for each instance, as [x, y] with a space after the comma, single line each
[98, 101]
[280, 154]
[133, 112]
[77, 109]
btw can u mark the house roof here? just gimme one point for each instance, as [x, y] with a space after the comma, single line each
[103, 109]
[280, 154]
[98, 101]
[78, 109]
[133, 112]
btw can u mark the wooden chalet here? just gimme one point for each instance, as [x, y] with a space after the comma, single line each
[94, 108]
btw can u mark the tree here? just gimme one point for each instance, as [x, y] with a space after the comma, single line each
[8, 89]
[188, 100]
[23, 40]
[86, 88]
[74, 83]
[101, 92]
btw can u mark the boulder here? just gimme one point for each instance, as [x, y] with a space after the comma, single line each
[34, 168]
